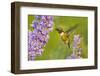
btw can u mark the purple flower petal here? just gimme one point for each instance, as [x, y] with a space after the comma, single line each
[38, 38]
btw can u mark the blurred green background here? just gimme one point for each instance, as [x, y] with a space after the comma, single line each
[55, 48]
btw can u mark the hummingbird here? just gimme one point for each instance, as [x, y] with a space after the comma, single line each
[65, 35]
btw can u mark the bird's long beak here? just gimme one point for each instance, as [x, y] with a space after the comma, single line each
[56, 29]
[59, 31]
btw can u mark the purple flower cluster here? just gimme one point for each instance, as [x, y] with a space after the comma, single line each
[77, 50]
[77, 41]
[38, 38]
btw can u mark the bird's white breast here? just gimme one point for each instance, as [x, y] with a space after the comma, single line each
[62, 34]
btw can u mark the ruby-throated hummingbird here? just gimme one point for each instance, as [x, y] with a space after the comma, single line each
[65, 35]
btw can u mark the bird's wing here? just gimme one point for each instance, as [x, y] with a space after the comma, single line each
[72, 28]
